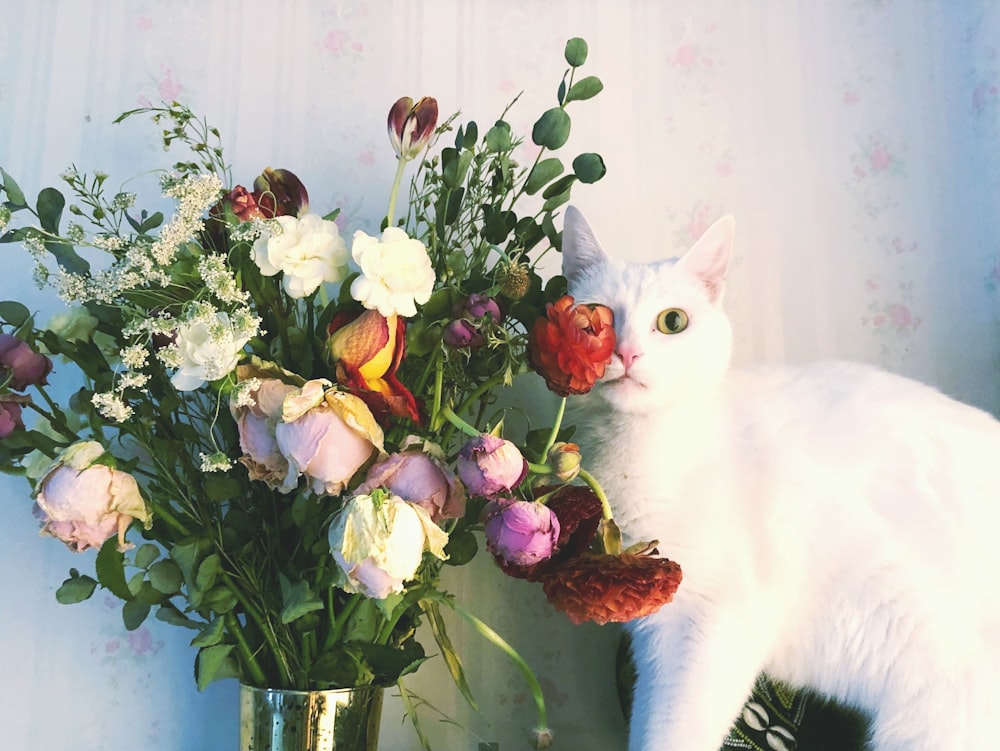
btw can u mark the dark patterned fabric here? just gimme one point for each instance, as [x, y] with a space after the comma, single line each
[775, 717]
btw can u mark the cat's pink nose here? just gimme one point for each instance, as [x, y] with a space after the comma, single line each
[628, 356]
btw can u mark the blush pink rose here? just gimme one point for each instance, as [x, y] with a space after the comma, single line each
[422, 478]
[84, 503]
[256, 425]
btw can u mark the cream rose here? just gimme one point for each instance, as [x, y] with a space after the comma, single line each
[378, 541]
[396, 272]
[308, 251]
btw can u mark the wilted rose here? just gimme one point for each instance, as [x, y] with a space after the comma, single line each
[411, 125]
[419, 475]
[256, 423]
[571, 345]
[378, 541]
[21, 364]
[326, 435]
[605, 588]
[520, 532]
[83, 503]
[489, 465]
[367, 349]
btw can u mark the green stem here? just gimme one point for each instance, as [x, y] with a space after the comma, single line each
[555, 428]
[448, 414]
[499, 642]
[340, 621]
[391, 216]
[265, 629]
[438, 387]
[594, 485]
[234, 628]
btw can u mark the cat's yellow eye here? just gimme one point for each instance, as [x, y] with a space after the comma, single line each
[671, 321]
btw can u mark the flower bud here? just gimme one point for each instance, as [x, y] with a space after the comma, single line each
[10, 414]
[461, 333]
[514, 281]
[412, 125]
[479, 306]
[278, 192]
[520, 532]
[564, 459]
[489, 465]
[21, 364]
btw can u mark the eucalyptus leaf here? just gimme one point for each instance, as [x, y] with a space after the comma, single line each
[498, 138]
[50, 205]
[551, 130]
[576, 52]
[542, 174]
[585, 88]
[15, 196]
[76, 589]
[14, 313]
[461, 548]
[589, 167]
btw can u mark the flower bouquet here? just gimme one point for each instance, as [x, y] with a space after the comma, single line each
[278, 441]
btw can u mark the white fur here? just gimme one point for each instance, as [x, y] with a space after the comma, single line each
[836, 525]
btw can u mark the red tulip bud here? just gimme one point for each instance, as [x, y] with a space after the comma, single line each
[412, 125]
[279, 192]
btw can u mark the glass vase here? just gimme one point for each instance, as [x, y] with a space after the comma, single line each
[333, 720]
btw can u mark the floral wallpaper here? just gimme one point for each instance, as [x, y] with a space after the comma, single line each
[855, 142]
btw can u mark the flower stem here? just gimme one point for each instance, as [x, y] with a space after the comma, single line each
[234, 628]
[391, 216]
[594, 485]
[555, 427]
[449, 414]
[499, 642]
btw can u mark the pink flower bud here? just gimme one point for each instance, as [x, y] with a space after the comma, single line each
[462, 333]
[21, 363]
[479, 306]
[412, 125]
[489, 465]
[10, 415]
[520, 532]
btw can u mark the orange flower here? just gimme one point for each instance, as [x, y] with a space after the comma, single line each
[571, 345]
[367, 349]
[603, 588]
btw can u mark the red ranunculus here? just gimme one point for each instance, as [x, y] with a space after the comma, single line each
[603, 588]
[571, 345]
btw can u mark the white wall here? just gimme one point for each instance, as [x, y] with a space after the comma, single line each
[856, 143]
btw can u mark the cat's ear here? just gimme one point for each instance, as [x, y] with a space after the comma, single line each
[580, 249]
[708, 259]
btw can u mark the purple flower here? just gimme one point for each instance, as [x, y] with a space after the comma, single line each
[10, 415]
[22, 364]
[462, 333]
[478, 306]
[489, 465]
[520, 532]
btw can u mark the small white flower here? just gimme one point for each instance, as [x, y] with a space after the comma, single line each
[243, 393]
[396, 272]
[208, 346]
[217, 462]
[112, 407]
[307, 251]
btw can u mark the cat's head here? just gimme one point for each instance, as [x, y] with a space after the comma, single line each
[673, 338]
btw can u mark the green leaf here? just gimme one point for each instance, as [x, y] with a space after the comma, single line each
[498, 137]
[134, 612]
[15, 196]
[451, 658]
[556, 201]
[340, 666]
[208, 572]
[461, 548]
[111, 569]
[551, 130]
[67, 257]
[589, 167]
[585, 88]
[559, 186]
[168, 613]
[543, 173]
[220, 487]
[75, 589]
[210, 635]
[576, 52]
[155, 220]
[50, 206]
[220, 599]
[389, 663]
[298, 600]
[166, 577]
[145, 555]
[469, 136]
[215, 663]
[14, 312]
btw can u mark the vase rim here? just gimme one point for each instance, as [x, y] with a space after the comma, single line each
[268, 689]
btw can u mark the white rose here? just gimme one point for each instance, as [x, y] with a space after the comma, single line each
[308, 251]
[378, 544]
[396, 272]
[207, 347]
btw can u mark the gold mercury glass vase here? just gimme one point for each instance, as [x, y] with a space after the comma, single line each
[332, 720]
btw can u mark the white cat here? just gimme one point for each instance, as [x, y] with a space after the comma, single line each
[837, 526]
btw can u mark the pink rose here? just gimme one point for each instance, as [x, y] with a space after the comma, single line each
[489, 465]
[326, 435]
[419, 477]
[84, 503]
[256, 426]
[22, 364]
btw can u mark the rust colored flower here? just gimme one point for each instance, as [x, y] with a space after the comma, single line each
[579, 512]
[367, 348]
[571, 345]
[604, 588]
[243, 204]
